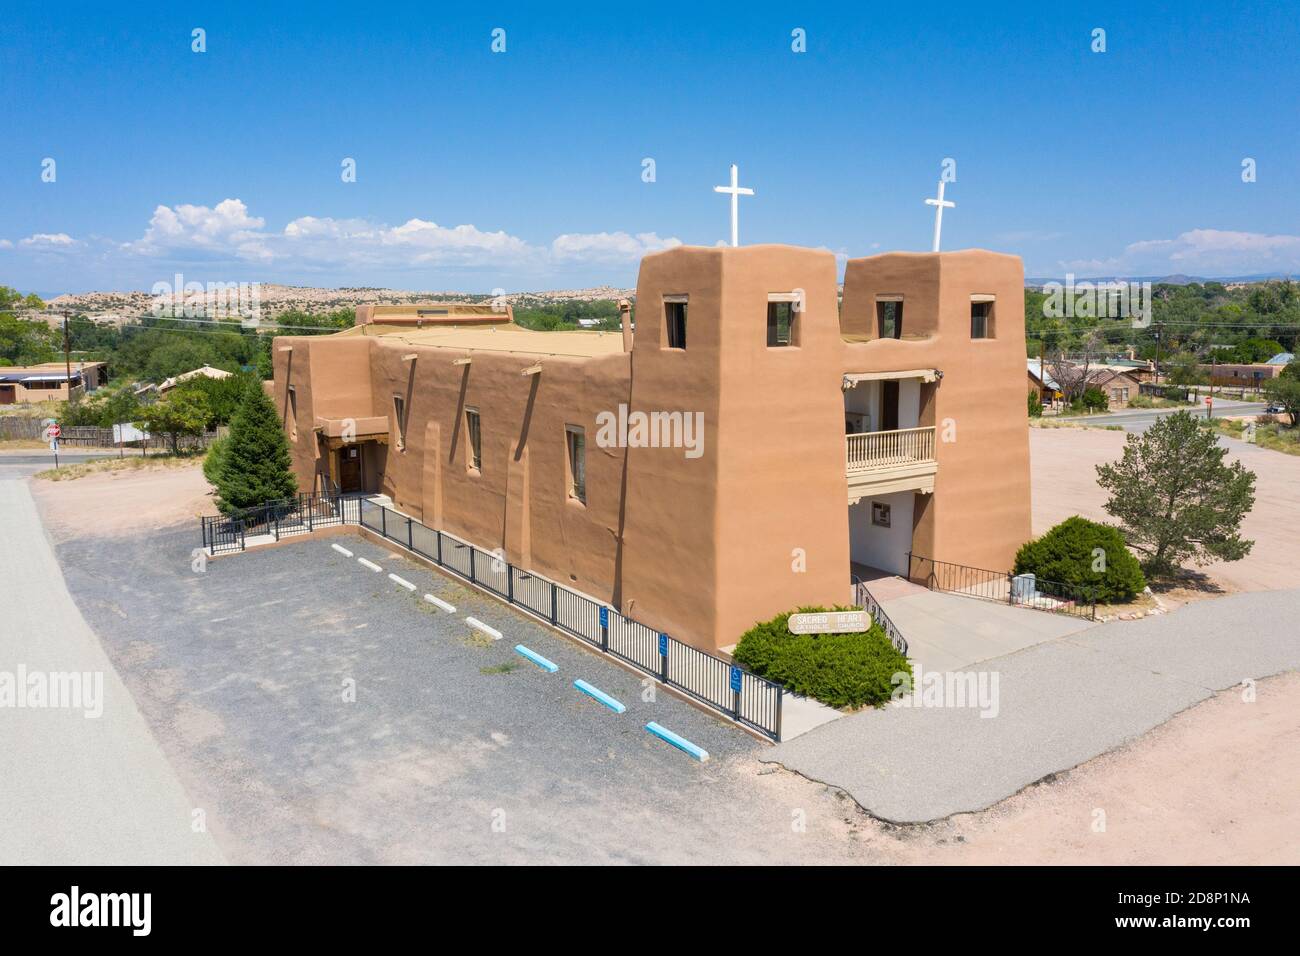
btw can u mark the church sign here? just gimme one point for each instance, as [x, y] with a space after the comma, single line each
[830, 622]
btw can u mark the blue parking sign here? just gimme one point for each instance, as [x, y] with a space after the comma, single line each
[735, 680]
[604, 617]
[663, 645]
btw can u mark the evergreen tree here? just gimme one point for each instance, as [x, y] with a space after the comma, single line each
[1175, 498]
[254, 465]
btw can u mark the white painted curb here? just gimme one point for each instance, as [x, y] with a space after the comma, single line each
[449, 608]
[341, 550]
[402, 581]
[369, 564]
[491, 632]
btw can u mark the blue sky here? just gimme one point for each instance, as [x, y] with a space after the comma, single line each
[226, 164]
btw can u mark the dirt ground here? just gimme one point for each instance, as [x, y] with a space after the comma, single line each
[1064, 461]
[120, 503]
[1217, 784]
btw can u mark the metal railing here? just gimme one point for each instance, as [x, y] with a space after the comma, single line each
[863, 598]
[868, 450]
[744, 697]
[720, 685]
[1004, 587]
[276, 519]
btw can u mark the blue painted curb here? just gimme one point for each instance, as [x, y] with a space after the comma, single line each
[537, 659]
[681, 743]
[599, 695]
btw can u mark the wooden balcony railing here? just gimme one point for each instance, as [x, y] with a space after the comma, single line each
[872, 450]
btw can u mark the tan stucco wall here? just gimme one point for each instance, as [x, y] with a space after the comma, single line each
[980, 511]
[700, 547]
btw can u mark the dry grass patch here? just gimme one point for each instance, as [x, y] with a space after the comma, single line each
[117, 465]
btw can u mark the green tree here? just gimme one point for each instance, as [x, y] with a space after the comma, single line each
[1035, 404]
[1094, 399]
[254, 465]
[1086, 554]
[1175, 499]
[1285, 391]
[177, 413]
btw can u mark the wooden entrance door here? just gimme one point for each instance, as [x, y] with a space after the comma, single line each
[350, 469]
[889, 405]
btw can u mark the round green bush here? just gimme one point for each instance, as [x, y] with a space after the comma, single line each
[842, 670]
[1066, 555]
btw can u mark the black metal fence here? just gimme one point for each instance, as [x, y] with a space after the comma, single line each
[863, 598]
[1004, 587]
[744, 697]
[276, 519]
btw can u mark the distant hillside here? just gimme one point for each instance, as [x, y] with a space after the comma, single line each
[276, 299]
[1037, 282]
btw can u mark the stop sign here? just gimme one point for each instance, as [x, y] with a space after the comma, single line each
[54, 430]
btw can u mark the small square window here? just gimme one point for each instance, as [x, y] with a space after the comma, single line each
[889, 319]
[981, 319]
[675, 322]
[781, 324]
[880, 514]
[576, 444]
[474, 432]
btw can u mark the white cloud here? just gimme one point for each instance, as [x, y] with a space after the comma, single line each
[49, 240]
[1199, 252]
[228, 231]
[611, 247]
[223, 229]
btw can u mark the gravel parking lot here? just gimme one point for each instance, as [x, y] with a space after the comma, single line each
[455, 749]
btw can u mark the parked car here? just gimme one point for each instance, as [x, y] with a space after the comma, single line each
[1274, 409]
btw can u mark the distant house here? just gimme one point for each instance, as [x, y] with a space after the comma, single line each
[166, 385]
[1119, 382]
[1119, 386]
[50, 381]
[1240, 375]
[1048, 391]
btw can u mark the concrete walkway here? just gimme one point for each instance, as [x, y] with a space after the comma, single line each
[950, 632]
[75, 790]
[1060, 703]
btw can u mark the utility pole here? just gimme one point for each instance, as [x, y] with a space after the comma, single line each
[1158, 329]
[67, 359]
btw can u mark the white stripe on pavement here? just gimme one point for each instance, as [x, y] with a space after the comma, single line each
[341, 550]
[369, 564]
[402, 581]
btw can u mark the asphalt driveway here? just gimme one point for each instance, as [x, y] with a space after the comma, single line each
[1059, 703]
[454, 749]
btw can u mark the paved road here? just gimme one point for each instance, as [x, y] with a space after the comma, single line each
[1139, 420]
[1059, 703]
[75, 790]
[21, 464]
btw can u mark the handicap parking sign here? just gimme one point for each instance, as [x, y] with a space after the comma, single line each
[663, 645]
[735, 680]
[604, 617]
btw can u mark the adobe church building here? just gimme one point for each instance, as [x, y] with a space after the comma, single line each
[831, 436]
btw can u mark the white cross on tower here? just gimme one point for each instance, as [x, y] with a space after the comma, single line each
[736, 191]
[939, 205]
